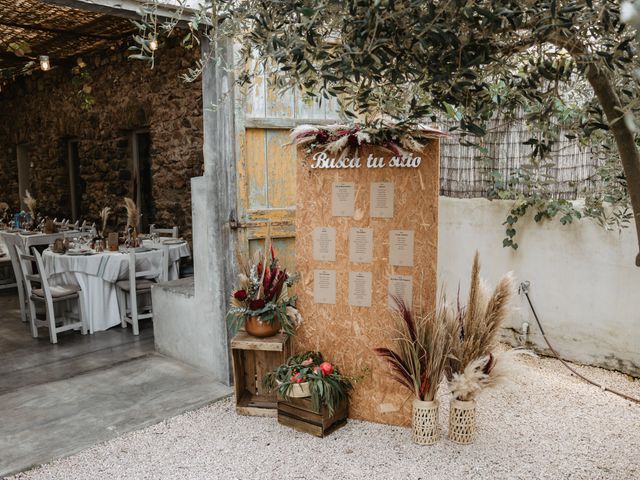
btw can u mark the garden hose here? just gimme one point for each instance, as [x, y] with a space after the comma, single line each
[524, 289]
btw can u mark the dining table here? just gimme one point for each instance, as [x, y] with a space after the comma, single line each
[97, 274]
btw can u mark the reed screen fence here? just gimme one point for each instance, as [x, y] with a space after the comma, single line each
[468, 171]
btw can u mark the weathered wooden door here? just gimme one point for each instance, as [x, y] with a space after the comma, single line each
[266, 168]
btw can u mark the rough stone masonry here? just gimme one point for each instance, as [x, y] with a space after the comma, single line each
[45, 110]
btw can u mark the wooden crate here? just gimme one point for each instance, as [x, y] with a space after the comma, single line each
[298, 413]
[252, 358]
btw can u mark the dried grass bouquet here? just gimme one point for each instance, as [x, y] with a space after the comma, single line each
[473, 364]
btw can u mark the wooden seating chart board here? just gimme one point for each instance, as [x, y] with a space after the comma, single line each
[361, 233]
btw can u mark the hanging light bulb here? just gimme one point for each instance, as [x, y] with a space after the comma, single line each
[44, 63]
[153, 44]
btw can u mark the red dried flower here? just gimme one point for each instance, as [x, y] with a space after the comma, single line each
[240, 295]
[322, 137]
[352, 141]
[256, 304]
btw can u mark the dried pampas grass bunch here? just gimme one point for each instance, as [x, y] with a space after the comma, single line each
[104, 217]
[422, 344]
[478, 323]
[31, 204]
[133, 215]
[472, 363]
[482, 373]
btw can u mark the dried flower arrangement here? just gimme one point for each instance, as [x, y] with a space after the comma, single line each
[326, 385]
[31, 205]
[264, 292]
[104, 217]
[133, 215]
[423, 343]
[346, 139]
[473, 364]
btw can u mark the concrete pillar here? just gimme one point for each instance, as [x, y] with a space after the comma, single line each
[200, 336]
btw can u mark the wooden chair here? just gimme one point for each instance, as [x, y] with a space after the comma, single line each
[164, 232]
[138, 284]
[48, 296]
[7, 279]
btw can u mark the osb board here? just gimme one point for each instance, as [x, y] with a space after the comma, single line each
[346, 335]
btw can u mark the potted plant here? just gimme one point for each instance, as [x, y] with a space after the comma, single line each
[473, 364]
[262, 304]
[309, 375]
[418, 362]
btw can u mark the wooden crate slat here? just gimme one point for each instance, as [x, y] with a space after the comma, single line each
[244, 341]
[249, 362]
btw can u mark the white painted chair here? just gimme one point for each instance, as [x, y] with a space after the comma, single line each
[47, 296]
[138, 287]
[20, 283]
[8, 277]
[164, 232]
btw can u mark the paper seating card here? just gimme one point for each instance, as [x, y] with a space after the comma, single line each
[401, 287]
[324, 286]
[401, 248]
[324, 244]
[343, 199]
[381, 200]
[361, 245]
[360, 289]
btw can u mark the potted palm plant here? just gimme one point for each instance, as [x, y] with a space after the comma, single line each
[309, 375]
[422, 343]
[473, 364]
[262, 304]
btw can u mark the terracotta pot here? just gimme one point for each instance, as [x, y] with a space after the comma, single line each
[462, 421]
[425, 422]
[258, 328]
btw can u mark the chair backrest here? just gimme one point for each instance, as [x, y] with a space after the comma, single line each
[163, 232]
[32, 277]
[150, 269]
[85, 227]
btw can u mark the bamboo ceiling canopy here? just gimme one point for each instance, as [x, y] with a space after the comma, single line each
[29, 28]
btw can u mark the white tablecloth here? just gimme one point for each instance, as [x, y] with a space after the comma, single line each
[97, 275]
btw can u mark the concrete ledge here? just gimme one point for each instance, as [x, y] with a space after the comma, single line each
[180, 331]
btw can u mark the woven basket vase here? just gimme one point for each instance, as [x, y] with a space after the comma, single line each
[425, 422]
[462, 421]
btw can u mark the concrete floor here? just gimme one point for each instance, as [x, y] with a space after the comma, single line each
[56, 400]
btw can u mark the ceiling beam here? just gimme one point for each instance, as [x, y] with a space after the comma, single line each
[57, 31]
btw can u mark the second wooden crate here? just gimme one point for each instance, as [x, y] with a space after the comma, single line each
[298, 413]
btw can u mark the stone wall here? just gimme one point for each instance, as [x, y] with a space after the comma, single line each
[45, 109]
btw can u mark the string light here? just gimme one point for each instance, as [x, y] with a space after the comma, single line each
[153, 44]
[44, 63]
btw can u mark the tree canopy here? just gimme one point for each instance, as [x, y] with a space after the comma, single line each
[566, 65]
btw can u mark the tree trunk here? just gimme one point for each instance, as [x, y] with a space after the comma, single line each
[602, 85]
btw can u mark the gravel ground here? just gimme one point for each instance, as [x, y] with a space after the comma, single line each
[545, 424]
